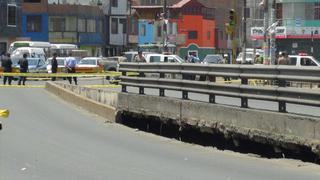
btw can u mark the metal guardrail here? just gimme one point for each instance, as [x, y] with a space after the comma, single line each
[280, 93]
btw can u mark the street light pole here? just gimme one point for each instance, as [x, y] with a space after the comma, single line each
[273, 34]
[164, 25]
[266, 25]
[244, 41]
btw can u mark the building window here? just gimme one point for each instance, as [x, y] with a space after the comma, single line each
[12, 15]
[192, 35]
[124, 25]
[100, 28]
[143, 30]
[32, 1]
[209, 35]
[114, 3]
[33, 23]
[114, 26]
[82, 25]
[317, 11]
[57, 24]
[91, 25]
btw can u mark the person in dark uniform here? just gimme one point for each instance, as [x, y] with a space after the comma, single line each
[23, 69]
[7, 68]
[54, 65]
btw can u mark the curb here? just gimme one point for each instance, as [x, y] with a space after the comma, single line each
[103, 110]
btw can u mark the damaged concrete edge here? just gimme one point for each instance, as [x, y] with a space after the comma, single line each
[277, 129]
[103, 110]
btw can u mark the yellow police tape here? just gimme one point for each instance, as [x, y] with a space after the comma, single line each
[47, 75]
[22, 86]
[43, 86]
[4, 113]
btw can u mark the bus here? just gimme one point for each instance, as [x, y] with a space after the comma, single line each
[63, 50]
[35, 44]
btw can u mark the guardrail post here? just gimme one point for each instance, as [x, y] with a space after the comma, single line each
[244, 100]
[161, 90]
[141, 90]
[282, 104]
[185, 95]
[212, 97]
[124, 87]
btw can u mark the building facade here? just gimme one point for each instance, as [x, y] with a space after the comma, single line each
[155, 33]
[69, 24]
[196, 24]
[298, 29]
[34, 20]
[116, 12]
[10, 22]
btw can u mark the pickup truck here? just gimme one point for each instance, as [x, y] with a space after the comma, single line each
[164, 58]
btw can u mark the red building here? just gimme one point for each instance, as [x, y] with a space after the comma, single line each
[196, 24]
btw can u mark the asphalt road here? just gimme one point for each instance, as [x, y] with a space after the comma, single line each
[46, 138]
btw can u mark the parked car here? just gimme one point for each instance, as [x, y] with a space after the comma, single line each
[90, 65]
[165, 58]
[35, 65]
[112, 63]
[130, 55]
[213, 59]
[62, 61]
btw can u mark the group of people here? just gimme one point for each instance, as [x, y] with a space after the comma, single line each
[70, 66]
[282, 59]
[6, 64]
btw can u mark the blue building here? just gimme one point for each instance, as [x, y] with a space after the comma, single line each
[146, 35]
[10, 28]
[35, 26]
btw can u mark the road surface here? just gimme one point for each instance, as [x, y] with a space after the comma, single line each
[46, 138]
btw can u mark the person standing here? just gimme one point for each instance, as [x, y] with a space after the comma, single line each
[283, 59]
[71, 68]
[54, 66]
[140, 57]
[23, 69]
[7, 68]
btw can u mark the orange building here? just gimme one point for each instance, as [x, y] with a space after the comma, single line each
[196, 28]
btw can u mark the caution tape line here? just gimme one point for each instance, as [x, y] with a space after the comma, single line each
[46, 75]
[22, 86]
[43, 86]
[102, 86]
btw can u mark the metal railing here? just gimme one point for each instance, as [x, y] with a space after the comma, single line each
[280, 93]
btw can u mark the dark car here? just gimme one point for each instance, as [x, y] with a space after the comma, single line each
[213, 59]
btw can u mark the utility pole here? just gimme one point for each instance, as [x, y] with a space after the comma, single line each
[244, 36]
[165, 33]
[273, 34]
[266, 25]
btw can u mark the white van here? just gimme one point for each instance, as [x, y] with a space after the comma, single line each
[30, 51]
[249, 55]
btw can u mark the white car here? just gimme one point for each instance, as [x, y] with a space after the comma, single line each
[61, 64]
[303, 60]
[164, 58]
[90, 62]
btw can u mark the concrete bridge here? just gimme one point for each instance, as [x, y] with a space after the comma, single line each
[275, 114]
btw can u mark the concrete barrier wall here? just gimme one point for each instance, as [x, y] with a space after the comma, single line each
[95, 101]
[261, 126]
[103, 96]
